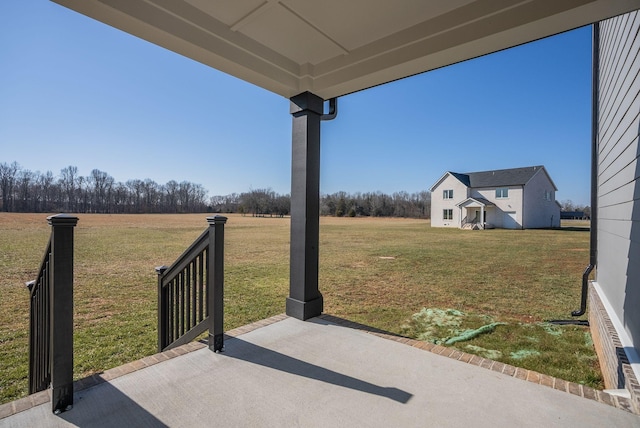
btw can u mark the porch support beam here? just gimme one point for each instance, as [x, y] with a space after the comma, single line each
[305, 300]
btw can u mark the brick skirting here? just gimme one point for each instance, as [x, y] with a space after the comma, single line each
[614, 363]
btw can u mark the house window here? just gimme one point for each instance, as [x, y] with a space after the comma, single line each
[502, 193]
[548, 195]
[447, 214]
[447, 194]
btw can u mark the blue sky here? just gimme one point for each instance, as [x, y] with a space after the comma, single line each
[76, 92]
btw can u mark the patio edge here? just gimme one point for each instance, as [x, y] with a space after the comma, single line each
[33, 400]
[583, 391]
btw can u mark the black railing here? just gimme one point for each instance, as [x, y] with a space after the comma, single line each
[51, 317]
[39, 340]
[191, 291]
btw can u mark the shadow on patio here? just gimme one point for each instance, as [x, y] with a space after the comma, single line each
[323, 372]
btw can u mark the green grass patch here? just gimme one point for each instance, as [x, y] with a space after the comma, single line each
[564, 351]
[559, 351]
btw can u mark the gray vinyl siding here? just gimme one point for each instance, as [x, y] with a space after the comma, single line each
[618, 268]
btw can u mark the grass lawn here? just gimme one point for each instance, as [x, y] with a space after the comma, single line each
[379, 272]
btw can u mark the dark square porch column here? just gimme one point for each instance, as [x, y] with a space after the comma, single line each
[305, 300]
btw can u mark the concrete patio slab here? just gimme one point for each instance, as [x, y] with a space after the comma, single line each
[318, 374]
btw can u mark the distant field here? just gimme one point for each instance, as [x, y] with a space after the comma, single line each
[375, 271]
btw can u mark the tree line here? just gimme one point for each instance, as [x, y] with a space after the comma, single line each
[23, 190]
[568, 205]
[27, 191]
[261, 202]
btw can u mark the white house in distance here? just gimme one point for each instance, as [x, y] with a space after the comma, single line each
[516, 198]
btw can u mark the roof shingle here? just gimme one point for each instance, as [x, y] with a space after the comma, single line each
[498, 178]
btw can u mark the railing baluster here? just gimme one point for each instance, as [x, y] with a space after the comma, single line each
[170, 312]
[206, 284]
[187, 297]
[194, 297]
[179, 305]
[201, 285]
[176, 296]
[182, 305]
[173, 310]
[41, 333]
[177, 315]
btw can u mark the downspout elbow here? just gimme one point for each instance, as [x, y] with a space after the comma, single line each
[585, 291]
[333, 110]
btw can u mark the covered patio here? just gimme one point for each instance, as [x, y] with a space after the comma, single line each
[274, 374]
[325, 372]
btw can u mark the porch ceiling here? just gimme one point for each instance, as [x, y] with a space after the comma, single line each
[335, 47]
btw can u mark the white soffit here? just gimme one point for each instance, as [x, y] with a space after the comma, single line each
[335, 47]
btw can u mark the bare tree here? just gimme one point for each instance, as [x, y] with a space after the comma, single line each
[7, 183]
[25, 181]
[45, 184]
[136, 189]
[171, 189]
[68, 182]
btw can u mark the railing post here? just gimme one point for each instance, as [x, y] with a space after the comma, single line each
[61, 310]
[163, 310]
[215, 280]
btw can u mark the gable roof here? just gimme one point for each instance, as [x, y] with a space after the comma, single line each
[477, 200]
[463, 178]
[497, 178]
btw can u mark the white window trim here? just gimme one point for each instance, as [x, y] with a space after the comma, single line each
[502, 197]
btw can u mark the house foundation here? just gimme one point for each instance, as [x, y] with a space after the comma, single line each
[614, 363]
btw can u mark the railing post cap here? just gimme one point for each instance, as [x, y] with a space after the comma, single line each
[161, 269]
[219, 219]
[62, 220]
[30, 284]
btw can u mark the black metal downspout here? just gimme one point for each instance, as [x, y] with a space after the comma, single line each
[593, 244]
